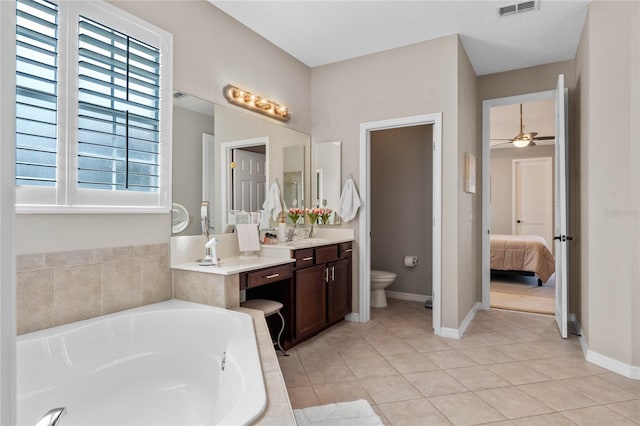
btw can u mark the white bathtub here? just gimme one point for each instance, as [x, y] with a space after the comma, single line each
[155, 365]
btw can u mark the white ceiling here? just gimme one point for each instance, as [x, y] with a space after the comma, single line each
[327, 31]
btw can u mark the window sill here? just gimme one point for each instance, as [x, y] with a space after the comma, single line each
[51, 209]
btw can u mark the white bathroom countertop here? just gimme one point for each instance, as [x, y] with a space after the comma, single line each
[235, 265]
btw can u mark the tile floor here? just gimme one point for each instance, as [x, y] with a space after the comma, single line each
[509, 368]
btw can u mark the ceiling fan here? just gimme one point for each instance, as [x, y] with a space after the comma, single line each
[523, 139]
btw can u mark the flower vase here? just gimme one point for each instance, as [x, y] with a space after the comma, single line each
[312, 232]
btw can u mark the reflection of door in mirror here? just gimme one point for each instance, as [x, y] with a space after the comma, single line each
[293, 175]
[248, 178]
[328, 165]
[245, 173]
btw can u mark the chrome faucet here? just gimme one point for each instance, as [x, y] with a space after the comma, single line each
[52, 417]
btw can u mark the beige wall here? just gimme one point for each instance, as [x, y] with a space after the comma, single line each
[401, 205]
[609, 78]
[469, 209]
[501, 183]
[417, 79]
[188, 127]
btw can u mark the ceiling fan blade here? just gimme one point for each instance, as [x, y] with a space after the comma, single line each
[501, 139]
[500, 144]
[532, 143]
[544, 138]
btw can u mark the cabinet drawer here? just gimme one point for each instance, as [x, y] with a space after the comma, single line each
[326, 254]
[345, 250]
[268, 275]
[304, 258]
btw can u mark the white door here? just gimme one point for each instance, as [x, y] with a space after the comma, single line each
[249, 180]
[533, 197]
[561, 196]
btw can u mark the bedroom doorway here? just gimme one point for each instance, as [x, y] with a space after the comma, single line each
[498, 214]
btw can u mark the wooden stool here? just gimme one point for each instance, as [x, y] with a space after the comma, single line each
[268, 308]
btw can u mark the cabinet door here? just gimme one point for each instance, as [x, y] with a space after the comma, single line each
[311, 300]
[339, 290]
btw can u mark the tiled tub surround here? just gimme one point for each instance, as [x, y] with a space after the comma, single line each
[61, 287]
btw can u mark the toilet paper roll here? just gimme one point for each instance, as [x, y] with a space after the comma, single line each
[411, 261]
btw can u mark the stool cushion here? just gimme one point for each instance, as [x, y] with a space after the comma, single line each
[268, 307]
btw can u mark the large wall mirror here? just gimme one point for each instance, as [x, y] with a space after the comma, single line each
[213, 148]
[193, 128]
[327, 177]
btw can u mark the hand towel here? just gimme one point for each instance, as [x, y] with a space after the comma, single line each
[349, 201]
[272, 203]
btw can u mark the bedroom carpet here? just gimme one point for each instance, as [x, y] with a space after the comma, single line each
[518, 293]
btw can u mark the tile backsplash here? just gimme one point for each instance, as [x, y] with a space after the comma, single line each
[61, 287]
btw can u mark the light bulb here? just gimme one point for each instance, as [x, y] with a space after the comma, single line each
[521, 143]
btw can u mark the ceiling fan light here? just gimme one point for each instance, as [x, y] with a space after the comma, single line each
[521, 142]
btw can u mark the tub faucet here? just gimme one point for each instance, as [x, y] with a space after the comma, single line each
[52, 417]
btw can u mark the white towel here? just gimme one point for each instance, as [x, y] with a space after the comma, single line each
[272, 204]
[349, 201]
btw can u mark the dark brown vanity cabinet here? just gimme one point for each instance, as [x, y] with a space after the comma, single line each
[322, 288]
[311, 301]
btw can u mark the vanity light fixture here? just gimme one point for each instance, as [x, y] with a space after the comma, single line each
[255, 103]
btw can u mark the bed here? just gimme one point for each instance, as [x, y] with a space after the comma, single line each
[523, 255]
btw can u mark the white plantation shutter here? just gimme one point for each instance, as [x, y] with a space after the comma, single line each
[36, 92]
[93, 109]
[118, 110]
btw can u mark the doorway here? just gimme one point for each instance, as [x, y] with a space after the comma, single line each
[521, 206]
[364, 229]
[401, 177]
[558, 244]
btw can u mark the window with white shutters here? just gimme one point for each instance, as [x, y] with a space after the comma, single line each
[93, 109]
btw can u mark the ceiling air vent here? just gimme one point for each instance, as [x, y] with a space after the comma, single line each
[512, 9]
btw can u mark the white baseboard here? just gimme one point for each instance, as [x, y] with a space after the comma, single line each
[412, 297]
[457, 333]
[619, 367]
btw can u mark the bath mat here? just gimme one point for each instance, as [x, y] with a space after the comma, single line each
[352, 413]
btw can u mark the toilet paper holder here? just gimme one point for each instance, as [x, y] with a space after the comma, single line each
[411, 261]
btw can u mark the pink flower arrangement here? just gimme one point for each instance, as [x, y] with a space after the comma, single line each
[313, 215]
[294, 214]
[325, 214]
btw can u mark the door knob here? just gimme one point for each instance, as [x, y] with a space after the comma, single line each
[518, 221]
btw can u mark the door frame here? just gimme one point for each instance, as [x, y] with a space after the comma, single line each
[548, 163]
[486, 173]
[225, 174]
[364, 228]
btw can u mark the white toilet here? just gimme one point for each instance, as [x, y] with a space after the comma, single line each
[379, 281]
